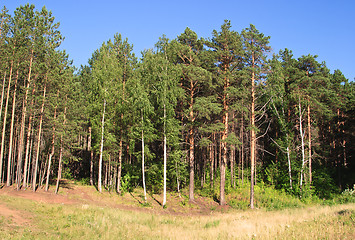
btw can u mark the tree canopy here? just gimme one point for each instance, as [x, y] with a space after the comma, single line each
[208, 114]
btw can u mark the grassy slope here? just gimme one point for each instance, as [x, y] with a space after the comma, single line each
[85, 214]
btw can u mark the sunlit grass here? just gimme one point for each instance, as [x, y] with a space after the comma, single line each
[84, 221]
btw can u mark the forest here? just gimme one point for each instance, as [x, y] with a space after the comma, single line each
[201, 115]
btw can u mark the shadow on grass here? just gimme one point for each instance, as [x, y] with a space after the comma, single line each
[64, 183]
[151, 195]
[135, 198]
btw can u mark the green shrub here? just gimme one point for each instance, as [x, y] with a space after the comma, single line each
[266, 197]
[347, 196]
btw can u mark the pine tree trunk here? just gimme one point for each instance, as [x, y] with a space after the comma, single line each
[203, 168]
[232, 153]
[60, 163]
[4, 125]
[252, 138]
[13, 179]
[165, 159]
[101, 147]
[232, 156]
[223, 143]
[91, 159]
[28, 145]
[120, 149]
[2, 94]
[42, 170]
[30, 162]
[20, 146]
[191, 144]
[302, 141]
[309, 143]
[8, 182]
[143, 167]
[2, 103]
[191, 163]
[23, 122]
[212, 163]
[242, 147]
[177, 179]
[34, 180]
[52, 152]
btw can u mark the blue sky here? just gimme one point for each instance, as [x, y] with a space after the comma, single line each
[324, 28]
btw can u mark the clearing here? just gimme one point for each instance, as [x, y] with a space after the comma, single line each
[80, 212]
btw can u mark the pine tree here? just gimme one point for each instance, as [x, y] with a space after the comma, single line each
[187, 50]
[255, 47]
[227, 51]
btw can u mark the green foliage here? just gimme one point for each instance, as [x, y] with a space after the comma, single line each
[323, 184]
[347, 196]
[266, 197]
[155, 178]
[181, 90]
[126, 183]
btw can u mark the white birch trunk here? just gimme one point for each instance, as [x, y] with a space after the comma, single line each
[143, 168]
[289, 166]
[302, 141]
[164, 198]
[101, 147]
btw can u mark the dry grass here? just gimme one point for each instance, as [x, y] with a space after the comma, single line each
[88, 220]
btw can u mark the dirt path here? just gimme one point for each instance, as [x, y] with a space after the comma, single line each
[14, 217]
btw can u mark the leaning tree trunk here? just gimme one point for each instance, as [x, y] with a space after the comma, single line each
[9, 165]
[60, 165]
[4, 124]
[2, 103]
[2, 94]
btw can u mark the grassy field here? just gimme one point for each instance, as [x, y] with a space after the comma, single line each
[82, 213]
